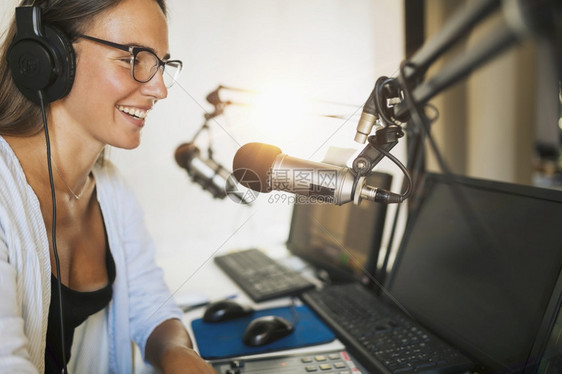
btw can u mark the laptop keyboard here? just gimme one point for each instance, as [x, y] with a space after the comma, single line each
[381, 338]
[261, 277]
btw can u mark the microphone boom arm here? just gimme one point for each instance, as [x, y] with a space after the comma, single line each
[395, 101]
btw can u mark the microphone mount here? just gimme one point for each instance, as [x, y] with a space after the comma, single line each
[378, 111]
[385, 138]
[214, 99]
[379, 146]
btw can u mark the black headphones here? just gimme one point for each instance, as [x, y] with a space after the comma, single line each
[40, 57]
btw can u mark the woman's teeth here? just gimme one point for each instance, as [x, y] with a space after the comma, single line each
[135, 112]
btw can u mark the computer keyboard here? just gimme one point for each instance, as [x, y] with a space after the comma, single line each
[382, 338]
[260, 276]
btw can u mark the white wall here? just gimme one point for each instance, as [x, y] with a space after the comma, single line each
[329, 50]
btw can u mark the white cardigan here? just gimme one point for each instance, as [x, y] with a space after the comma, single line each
[140, 301]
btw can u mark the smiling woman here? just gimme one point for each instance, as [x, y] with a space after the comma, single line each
[76, 261]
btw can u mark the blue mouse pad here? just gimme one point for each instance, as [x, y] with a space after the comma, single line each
[224, 339]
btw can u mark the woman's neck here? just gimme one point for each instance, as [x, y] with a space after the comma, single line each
[71, 162]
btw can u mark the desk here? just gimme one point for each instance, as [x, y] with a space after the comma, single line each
[210, 281]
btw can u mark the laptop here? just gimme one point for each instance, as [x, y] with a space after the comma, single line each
[479, 268]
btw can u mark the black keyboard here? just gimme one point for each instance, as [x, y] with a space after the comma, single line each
[261, 277]
[382, 338]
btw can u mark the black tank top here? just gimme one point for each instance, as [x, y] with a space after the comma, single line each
[77, 307]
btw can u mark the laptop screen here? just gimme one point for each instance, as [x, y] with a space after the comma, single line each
[341, 240]
[479, 265]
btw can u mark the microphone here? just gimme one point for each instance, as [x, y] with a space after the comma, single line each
[209, 174]
[263, 168]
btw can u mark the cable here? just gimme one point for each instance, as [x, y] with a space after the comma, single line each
[418, 118]
[415, 155]
[54, 224]
[380, 100]
[294, 312]
[406, 194]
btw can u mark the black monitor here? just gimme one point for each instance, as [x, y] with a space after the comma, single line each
[479, 264]
[342, 241]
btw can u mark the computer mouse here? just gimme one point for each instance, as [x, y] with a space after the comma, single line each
[266, 329]
[225, 310]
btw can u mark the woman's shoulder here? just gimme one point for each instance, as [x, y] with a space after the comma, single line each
[7, 155]
[10, 168]
[16, 196]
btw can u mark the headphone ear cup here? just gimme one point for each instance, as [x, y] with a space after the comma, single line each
[40, 58]
[65, 63]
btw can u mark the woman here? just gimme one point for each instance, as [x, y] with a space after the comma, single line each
[112, 292]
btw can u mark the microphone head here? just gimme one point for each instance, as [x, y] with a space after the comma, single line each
[252, 163]
[185, 153]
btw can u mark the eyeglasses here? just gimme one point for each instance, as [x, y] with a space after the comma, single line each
[145, 63]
